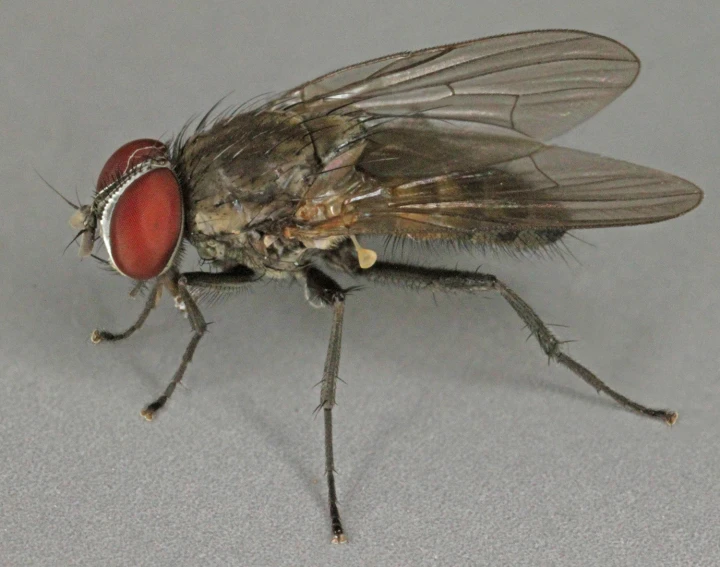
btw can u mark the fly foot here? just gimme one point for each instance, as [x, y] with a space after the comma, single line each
[98, 336]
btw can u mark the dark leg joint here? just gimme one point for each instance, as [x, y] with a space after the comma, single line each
[321, 290]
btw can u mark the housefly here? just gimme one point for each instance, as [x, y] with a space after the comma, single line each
[441, 144]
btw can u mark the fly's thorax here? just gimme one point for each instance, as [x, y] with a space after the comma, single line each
[250, 177]
[258, 157]
[332, 193]
[229, 234]
[244, 176]
[264, 253]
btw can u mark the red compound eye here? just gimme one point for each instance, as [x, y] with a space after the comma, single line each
[127, 157]
[143, 224]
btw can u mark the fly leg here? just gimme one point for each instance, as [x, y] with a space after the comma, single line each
[99, 336]
[322, 291]
[168, 280]
[180, 286]
[435, 279]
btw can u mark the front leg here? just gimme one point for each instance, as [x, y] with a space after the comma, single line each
[99, 336]
[437, 279]
[181, 285]
[321, 290]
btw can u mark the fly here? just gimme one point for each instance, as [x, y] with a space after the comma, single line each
[441, 144]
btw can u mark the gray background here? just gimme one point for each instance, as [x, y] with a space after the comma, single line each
[457, 444]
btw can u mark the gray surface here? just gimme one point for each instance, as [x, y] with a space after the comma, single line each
[456, 443]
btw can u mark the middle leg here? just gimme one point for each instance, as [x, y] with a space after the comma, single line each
[321, 290]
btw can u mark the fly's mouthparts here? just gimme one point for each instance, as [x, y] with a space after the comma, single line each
[77, 220]
[82, 220]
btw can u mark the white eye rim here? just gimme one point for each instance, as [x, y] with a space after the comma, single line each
[106, 217]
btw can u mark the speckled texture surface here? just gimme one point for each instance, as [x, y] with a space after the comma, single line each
[457, 444]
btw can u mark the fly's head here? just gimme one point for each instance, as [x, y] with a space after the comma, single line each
[137, 209]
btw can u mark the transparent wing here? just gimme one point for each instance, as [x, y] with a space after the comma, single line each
[552, 188]
[538, 83]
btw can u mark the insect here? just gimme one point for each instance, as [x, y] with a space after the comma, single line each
[441, 144]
